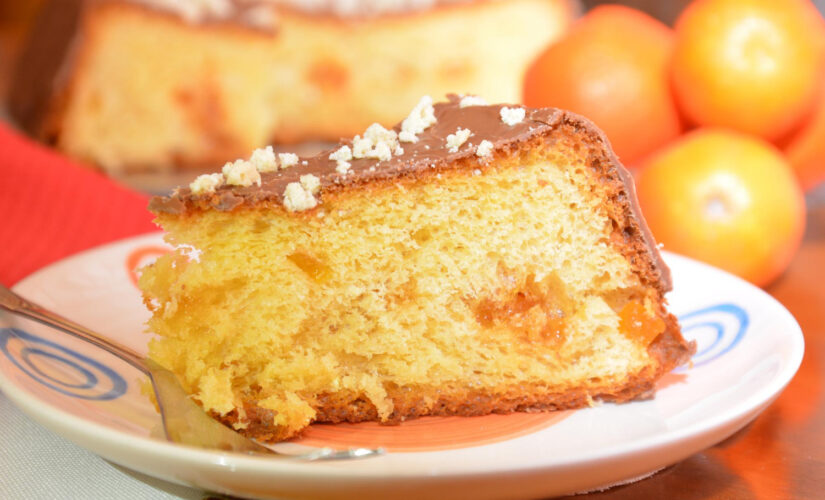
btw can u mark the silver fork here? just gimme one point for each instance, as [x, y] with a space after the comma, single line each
[183, 420]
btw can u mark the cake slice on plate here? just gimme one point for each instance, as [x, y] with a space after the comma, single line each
[474, 259]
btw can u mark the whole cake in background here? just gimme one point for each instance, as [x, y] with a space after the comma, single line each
[474, 259]
[132, 85]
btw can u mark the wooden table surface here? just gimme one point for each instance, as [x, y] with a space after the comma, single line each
[781, 454]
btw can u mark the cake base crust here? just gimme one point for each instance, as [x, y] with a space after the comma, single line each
[669, 349]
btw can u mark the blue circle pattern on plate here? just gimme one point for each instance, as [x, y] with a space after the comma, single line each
[98, 381]
[717, 329]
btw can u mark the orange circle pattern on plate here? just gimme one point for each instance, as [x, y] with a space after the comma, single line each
[141, 256]
[430, 433]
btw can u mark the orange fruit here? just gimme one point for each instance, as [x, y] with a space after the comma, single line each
[725, 198]
[750, 65]
[805, 149]
[612, 68]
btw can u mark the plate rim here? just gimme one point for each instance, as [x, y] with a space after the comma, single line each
[738, 415]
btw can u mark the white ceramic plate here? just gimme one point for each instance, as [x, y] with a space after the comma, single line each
[749, 349]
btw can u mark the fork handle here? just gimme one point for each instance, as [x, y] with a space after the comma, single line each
[16, 304]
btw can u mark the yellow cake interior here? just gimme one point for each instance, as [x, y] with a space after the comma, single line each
[494, 281]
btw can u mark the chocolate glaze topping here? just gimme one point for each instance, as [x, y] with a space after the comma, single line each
[429, 153]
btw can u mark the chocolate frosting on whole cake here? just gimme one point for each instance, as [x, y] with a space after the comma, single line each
[429, 153]
[45, 65]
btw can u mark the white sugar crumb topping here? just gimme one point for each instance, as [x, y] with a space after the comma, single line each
[406, 136]
[206, 183]
[245, 172]
[288, 159]
[485, 148]
[471, 100]
[382, 151]
[377, 143]
[378, 134]
[454, 141]
[476, 172]
[241, 173]
[297, 198]
[342, 156]
[360, 146]
[343, 167]
[263, 159]
[196, 11]
[511, 116]
[344, 153]
[398, 150]
[311, 183]
[261, 16]
[421, 117]
[363, 8]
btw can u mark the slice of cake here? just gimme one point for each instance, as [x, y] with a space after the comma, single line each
[474, 259]
[153, 84]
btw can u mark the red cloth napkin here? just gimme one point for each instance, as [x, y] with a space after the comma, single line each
[52, 208]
